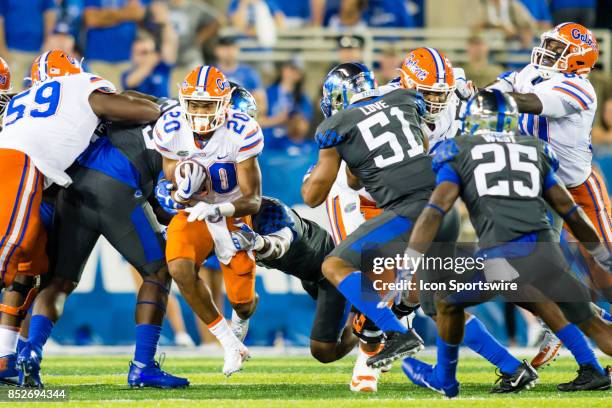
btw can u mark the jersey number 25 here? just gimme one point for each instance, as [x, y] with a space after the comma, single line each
[500, 161]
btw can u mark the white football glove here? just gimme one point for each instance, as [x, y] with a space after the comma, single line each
[202, 211]
[189, 177]
[245, 239]
[464, 88]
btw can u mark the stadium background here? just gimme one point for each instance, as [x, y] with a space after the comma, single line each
[280, 50]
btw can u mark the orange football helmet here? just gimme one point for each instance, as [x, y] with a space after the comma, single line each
[429, 72]
[567, 48]
[205, 96]
[54, 63]
[5, 84]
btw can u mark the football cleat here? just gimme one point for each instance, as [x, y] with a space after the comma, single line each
[365, 379]
[234, 358]
[397, 345]
[549, 349]
[525, 377]
[153, 376]
[8, 370]
[423, 375]
[28, 365]
[588, 379]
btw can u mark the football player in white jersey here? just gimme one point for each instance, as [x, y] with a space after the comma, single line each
[45, 128]
[210, 153]
[558, 103]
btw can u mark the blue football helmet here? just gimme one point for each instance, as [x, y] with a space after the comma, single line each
[490, 111]
[243, 101]
[342, 83]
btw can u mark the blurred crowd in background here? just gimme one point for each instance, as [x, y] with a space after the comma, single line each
[150, 45]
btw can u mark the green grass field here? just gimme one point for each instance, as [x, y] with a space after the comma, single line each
[295, 382]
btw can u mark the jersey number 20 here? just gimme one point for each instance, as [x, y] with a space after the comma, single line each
[390, 138]
[500, 162]
[45, 103]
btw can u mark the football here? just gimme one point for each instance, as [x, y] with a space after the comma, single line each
[186, 167]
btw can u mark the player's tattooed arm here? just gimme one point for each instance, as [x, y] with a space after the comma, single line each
[316, 187]
[428, 223]
[527, 102]
[123, 108]
[563, 203]
[249, 181]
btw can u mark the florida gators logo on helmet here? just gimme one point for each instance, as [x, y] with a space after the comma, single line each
[205, 96]
[5, 84]
[5, 76]
[567, 48]
[54, 63]
[429, 72]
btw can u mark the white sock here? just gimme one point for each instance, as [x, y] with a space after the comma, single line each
[221, 330]
[237, 320]
[8, 340]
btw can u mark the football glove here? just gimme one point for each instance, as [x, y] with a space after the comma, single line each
[163, 193]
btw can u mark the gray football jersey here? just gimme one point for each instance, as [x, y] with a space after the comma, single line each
[502, 180]
[381, 141]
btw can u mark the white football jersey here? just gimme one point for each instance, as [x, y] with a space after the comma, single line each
[341, 185]
[52, 122]
[446, 125]
[238, 139]
[569, 104]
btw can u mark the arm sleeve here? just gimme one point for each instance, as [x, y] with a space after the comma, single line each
[505, 82]
[100, 84]
[446, 172]
[563, 98]
[252, 143]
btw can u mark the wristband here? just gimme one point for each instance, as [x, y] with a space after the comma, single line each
[435, 207]
[226, 209]
[570, 212]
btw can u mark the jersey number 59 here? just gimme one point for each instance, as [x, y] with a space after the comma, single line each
[45, 103]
